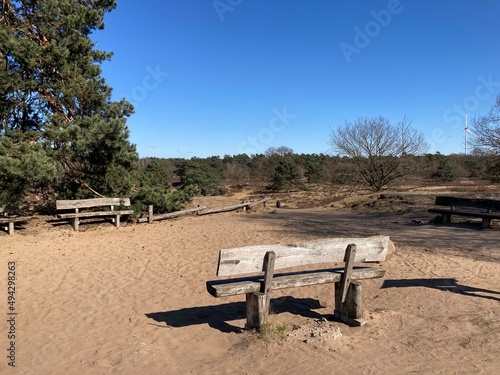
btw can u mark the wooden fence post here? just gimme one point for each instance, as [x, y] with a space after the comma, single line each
[150, 214]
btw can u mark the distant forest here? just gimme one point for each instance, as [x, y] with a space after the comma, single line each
[281, 169]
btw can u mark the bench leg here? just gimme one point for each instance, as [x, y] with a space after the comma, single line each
[486, 223]
[75, 223]
[257, 310]
[446, 218]
[10, 229]
[117, 221]
[349, 311]
[259, 303]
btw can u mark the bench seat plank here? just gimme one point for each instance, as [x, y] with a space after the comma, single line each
[93, 214]
[231, 287]
[447, 211]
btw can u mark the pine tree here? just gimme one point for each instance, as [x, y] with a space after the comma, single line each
[286, 177]
[55, 108]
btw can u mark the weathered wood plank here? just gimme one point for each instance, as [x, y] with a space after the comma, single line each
[62, 204]
[222, 209]
[263, 200]
[267, 285]
[345, 280]
[224, 288]
[93, 214]
[171, 215]
[15, 208]
[249, 259]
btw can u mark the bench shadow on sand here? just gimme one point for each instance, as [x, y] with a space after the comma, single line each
[466, 238]
[449, 285]
[217, 316]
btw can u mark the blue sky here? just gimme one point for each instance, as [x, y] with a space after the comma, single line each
[239, 76]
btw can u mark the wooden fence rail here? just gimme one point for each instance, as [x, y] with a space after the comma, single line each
[201, 210]
[150, 218]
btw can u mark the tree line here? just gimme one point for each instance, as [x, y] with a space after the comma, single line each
[291, 171]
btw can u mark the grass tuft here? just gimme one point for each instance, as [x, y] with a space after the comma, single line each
[273, 332]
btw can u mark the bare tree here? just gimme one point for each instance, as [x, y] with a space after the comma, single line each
[378, 148]
[280, 151]
[487, 130]
[237, 172]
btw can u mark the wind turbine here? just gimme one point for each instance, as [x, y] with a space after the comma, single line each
[466, 131]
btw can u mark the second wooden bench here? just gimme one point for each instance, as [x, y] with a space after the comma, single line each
[11, 214]
[97, 207]
[486, 209]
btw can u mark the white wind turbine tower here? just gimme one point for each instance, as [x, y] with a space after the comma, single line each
[466, 131]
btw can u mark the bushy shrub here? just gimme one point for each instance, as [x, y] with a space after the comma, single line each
[444, 171]
[163, 200]
[286, 177]
[155, 189]
[205, 174]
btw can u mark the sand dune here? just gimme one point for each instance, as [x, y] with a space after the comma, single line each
[133, 300]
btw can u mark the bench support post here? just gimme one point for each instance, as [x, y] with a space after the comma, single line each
[259, 304]
[349, 311]
[117, 221]
[74, 223]
[486, 223]
[10, 229]
[150, 214]
[348, 307]
[345, 280]
[256, 310]
[446, 218]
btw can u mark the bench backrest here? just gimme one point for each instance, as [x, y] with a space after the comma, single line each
[14, 208]
[89, 203]
[250, 259]
[488, 204]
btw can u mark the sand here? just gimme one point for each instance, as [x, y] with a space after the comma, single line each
[131, 300]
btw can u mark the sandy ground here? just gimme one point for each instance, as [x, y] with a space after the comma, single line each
[133, 299]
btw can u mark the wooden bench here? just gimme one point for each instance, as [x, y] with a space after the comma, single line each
[11, 214]
[98, 207]
[325, 252]
[486, 209]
